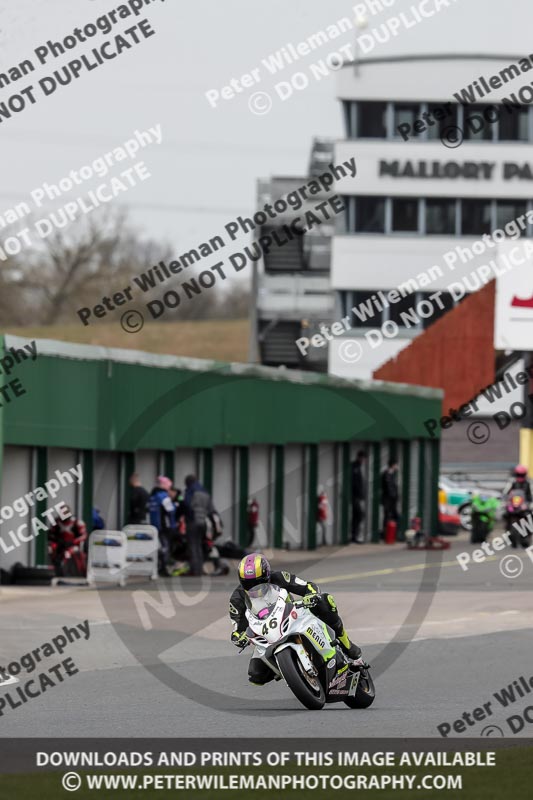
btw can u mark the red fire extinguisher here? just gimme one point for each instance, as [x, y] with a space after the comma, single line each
[390, 532]
[322, 507]
[253, 513]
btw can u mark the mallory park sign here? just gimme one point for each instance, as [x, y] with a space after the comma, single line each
[469, 170]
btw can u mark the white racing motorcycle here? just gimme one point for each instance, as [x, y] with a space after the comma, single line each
[300, 648]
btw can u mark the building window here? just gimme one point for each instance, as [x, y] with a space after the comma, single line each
[370, 215]
[368, 314]
[445, 300]
[345, 302]
[372, 120]
[440, 216]
[509, 210]
[406, 113]
[403, 306]
[349, 212]
[442, 118]
[404, 215]
[476, 127]
[349, 115]
[476, 217]
[513, 125]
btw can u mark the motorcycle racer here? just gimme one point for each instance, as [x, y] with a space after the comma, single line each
[518, 481]
[68, 531]
[255, 569]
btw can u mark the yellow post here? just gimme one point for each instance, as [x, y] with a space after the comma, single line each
[526, 449]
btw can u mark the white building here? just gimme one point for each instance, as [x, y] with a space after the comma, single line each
[415, 198]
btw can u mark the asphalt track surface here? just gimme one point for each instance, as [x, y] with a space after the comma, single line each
[441, 642]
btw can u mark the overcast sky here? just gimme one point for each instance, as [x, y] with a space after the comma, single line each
[205, 171]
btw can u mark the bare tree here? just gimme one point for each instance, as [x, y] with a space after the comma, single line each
[14, 309]
[77, 267]
[235, 302]
[99, 255]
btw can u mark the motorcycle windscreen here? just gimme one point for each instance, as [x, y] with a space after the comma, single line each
[262, 600]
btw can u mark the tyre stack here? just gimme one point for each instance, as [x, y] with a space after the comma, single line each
[29, 576]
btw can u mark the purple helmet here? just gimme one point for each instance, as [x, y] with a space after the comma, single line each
[254, 569]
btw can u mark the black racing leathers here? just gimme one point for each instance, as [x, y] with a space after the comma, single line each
[325, 609]
[285, 580]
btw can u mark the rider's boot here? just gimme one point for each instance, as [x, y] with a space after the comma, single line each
[351, 649]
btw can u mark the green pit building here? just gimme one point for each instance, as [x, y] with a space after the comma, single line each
[275, 435]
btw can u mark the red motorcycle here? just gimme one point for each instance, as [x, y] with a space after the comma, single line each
[516, 509]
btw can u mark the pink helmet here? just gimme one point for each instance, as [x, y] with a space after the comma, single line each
[164, 482]
[520, 471]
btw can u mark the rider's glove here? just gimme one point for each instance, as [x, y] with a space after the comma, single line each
[310, 600]
[239, 638]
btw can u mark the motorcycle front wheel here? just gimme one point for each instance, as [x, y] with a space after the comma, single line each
[513, 535]
[365, 694]
[307, 689]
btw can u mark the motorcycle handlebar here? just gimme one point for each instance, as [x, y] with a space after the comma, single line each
[313, 600]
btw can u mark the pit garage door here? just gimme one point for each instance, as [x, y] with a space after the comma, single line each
[427, 478]
[294, 497]
[16, 481]
[413, 483]
[147, 467]
[328, 481]
[224, 489]
[106, 488]
[185, 463]
[260, 487]
[70, 494]
[365, 532]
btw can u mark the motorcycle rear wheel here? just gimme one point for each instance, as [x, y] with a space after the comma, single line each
[365, 694]
[295, 676]
[515, 537]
